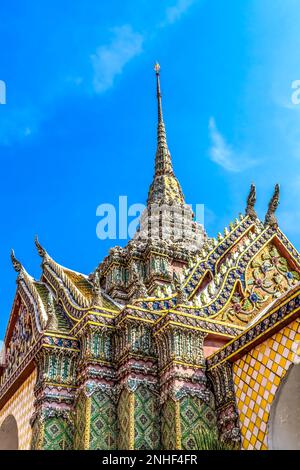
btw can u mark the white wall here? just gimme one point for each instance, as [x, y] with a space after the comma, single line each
[284, 424]
[9, 439]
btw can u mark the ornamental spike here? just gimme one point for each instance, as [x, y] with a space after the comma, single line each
[163, 160]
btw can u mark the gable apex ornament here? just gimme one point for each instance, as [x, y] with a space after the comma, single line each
[270, 218]
[251, 200]
[18, 267]
[41, 251]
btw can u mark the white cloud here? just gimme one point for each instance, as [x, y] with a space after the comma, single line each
[110, 59]
[223, 154]
[18, 124]
[175, 12]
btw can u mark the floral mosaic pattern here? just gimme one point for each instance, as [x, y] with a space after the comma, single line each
[268, 277]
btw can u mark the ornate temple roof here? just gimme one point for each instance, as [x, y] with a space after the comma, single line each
[223, 288]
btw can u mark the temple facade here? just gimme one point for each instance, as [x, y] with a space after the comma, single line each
[176, 341]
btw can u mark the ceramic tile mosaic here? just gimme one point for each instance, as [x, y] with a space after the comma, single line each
[257, 376]
[20, 405]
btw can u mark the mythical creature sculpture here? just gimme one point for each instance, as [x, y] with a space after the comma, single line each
[270, 218]
[52, 319]
[16, 264]
[97, 295]
[140, 288]
[40, 249]
[181, 294]
[251, 200]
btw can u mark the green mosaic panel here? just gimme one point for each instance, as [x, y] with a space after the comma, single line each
[58, 434]
[195, 416]
[146, 419]
[103, 425]
[168, 430]
[124, 420]
[80, 423]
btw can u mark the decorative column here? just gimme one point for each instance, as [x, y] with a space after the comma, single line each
[96, 424]
[187, 401]
[138, 402]
[53, 419]
[226, 408]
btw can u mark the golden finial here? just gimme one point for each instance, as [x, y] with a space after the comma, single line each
[157, 67]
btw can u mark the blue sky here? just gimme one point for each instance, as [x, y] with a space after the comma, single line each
[79, 126]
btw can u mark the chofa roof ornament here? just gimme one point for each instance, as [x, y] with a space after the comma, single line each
[270, 218]
[18, 267]
[251, 200]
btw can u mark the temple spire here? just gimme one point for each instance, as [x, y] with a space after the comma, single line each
[158, 93]
[165, 187]
[163, 164]
[161, 130]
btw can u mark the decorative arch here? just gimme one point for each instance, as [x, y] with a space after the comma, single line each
[9, 434]
[284, 421]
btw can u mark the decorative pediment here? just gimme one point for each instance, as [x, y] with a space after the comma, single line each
[19, 339]
[268, 276]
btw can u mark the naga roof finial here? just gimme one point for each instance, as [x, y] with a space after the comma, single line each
[181, 294]
[41, 251]
[251, 200]
[18, 267]
[97, 294]
[270, 218]
[140, 288]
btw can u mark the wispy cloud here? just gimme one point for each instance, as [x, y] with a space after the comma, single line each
[109, 60]
[175, 12]
[223, 154]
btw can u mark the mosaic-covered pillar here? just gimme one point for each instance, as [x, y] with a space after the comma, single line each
[138, 402]
[95, 405]
[227, 413]
[53, 419]
[187, 401]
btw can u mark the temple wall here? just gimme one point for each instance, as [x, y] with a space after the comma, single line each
[257, 376]
[20, 405]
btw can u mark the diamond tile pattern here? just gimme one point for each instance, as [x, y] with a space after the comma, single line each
[146, 419]
[20, 405]
[257, 376]
[103, 422]
[195, 416]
